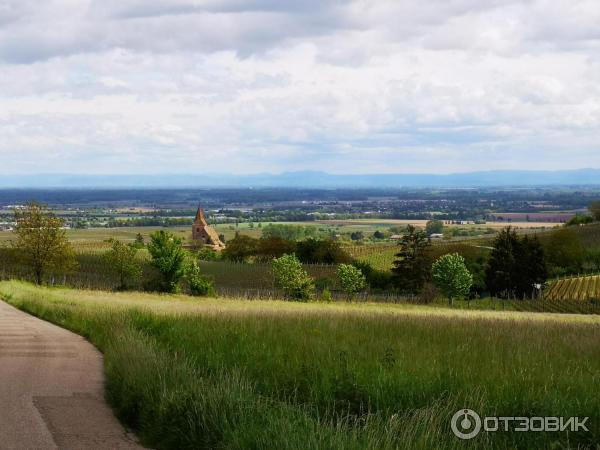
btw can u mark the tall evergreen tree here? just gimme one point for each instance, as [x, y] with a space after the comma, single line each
[412, 266]
[515, 265]
[501, 268]
[531, 266]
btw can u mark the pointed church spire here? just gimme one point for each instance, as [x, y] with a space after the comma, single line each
[200, 220]
[202, 232]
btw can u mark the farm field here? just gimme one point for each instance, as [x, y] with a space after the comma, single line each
[382, 256]
[422, 223]
[97, 237]
[575, 288]
[93, 236]
[236, 374]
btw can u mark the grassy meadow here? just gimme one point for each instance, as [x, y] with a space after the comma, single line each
[225, 373]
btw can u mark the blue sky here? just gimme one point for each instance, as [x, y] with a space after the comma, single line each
[356, 86]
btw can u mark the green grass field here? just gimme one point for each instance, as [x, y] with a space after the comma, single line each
[236, 374]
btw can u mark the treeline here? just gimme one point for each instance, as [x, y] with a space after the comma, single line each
[150, 222]
[309, 251]
[511, 266]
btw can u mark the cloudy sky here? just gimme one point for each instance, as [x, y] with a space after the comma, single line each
[244, 86]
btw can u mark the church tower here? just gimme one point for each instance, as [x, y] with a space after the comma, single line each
[204, 233]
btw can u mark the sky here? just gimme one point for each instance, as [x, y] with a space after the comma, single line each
[357, 86]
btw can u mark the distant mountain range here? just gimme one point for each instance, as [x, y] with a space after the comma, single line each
[310, 179]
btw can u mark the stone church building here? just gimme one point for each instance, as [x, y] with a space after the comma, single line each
[204, 233]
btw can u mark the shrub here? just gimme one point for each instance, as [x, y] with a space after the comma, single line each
[290, 276]
[357, 236]
[208, 254]
[200, 285]
[351, 279]
[326, 296]
[122, 260]
[376, 279]
[168, 257]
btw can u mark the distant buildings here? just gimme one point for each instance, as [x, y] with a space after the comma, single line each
[7, 226]
[557, 217]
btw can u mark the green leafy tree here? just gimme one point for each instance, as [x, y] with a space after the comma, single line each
[273, 247]
[434, 227]
[122, 260]
[291, 277]
[207, 254]
[321, 251]
[451, 276]
[168, 256]
[595, 209]
[378, 235]
[200, 285]
[357, 236]
[412, 266]
[351, 279]
[42, 243]
[240, 248]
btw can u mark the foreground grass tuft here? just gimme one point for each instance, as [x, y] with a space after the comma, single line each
[234, 374]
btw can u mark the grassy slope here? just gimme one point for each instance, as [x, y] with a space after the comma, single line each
[233, 374]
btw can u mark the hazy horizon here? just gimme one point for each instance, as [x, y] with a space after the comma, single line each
[582, 177]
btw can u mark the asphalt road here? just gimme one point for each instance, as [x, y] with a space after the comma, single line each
[51, 389]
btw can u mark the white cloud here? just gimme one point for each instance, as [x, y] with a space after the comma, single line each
[345, 86]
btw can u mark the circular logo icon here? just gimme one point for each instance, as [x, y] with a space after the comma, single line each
[466, 424]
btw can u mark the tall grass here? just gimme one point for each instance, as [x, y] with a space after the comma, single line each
[233, 374]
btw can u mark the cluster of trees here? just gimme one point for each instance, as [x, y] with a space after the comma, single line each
[175, 266]
[514, 267]
[43, 246]
[316, 251]
[517, 265]
[149, 222]
[292, 278]
[288, 232]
